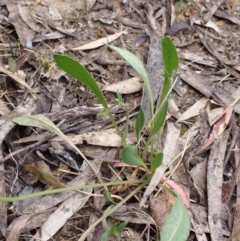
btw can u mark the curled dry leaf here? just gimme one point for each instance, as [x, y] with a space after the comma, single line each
[128, 86]
[100, 42]
[18, 225]
[19, 80]
[42, 170]
[219, 127]
[209, 24]
[171, 184]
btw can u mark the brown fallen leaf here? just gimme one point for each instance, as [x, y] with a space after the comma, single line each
[19, 224]
[100, 42]
[122, 188]
[90, 4]
[127, 86]
[15, 77]
[42, 170]
[160, 207]
[219, 127]
[174, 186]
[214, 186]
[229, 186]
[25, 34]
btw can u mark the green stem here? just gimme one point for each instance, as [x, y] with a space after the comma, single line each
[67, 189]
[123, 140]
[145, 150]
[86, 233]
[132, 193]
[126, 127]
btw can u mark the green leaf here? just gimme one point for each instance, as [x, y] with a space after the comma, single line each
[106, 235]
[39, 121]
[106, 213]
[42, 122]
[170, 56]
[120, 228]
[139, 123]
[171, 62]
[156, 161]
[177, 226]
[114, 231]
[159, 119]
[138, 66]
[108, 196]
[131, 157]
[46, 175]
[119, 99]
[103, 114]
[77, 71]
[12, 65]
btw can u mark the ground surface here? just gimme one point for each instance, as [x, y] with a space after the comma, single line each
[203, 112]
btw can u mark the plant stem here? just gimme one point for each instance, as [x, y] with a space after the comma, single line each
[123, 140]
[145, 150]
[85, 235]
[67, 189]
[132, 193]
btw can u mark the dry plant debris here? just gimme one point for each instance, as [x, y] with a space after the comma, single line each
[201, 133]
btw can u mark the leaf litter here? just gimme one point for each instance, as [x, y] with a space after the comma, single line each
[208, 78]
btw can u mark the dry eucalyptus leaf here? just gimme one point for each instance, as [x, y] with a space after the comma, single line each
[160, 207]
[193, 110]
[100, 42]
[128, 86]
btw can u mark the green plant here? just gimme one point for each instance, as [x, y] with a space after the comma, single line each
[115, 229]
[132, 155]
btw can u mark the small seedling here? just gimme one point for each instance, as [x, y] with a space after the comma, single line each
[131, 154]
[114, 231]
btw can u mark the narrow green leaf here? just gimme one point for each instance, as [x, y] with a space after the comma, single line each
[114, 231]
[108, 196]
[138, 66]
[165, 90]
[103, 114]
[171, 62]
[159, 119]
[177, 226]
[39, 121]
[131, 157]
[139, 123]
[170, 56]
[77, 71]
[106, 213]
[119, 99]
[12, 65]
[156, 161]
[46, 175]
[42, 122]
[106, 235]
[120, 228]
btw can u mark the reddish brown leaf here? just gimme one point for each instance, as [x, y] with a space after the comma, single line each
[42, 170]
[219, 127]
[160, 207]
[171, 184]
